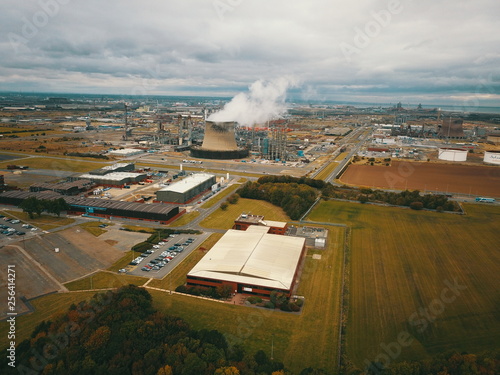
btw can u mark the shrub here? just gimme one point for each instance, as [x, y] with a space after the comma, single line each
[269, 305]
[142, 246]
[299, 302]
[254, 299]
[294, 307]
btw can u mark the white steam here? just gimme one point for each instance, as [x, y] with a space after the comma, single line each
[265, 101]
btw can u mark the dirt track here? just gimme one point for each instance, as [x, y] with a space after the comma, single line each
[464, 179]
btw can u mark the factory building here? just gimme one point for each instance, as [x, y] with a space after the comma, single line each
[161, 213]
[252, 262]
[115, 179]
[245, 221]
[118, 167]
[65, 188]
[187, 189]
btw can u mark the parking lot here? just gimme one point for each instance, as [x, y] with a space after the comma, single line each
[12, 230]
[161, 259]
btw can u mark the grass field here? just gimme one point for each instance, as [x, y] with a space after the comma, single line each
[220, 196]
[44, 222]
[56, 164]
[93, 228]
[225, 219]
[103, 280]
[327, 170]
[300, 340]
[184, 219]
[46, 308]
[403, 261]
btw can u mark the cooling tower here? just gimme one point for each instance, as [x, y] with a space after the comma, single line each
[219, 142]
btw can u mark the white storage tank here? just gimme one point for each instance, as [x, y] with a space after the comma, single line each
[452, 154]
[492, 157]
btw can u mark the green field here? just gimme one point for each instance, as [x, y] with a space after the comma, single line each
[225, 219]
[44, 221]
[403, 261]
[56, 163]
[223, 194]
[184, 219]
[327, 170]
[104, 280]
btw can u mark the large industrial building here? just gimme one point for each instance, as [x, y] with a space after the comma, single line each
[116, 175]
[65, 188]
[187, 189]
[161, 213]
[252, 262]
[115, 179]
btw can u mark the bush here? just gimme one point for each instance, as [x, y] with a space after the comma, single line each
[142, 246]
[294, 307]
[269, 305]
[299, 302]
[254, 299]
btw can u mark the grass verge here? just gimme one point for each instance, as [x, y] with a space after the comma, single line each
[103, 280]
[44, 222]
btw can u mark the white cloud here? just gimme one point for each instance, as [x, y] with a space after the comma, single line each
[406, 48]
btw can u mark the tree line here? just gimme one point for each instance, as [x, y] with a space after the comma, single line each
[33, 205]
[295, 195]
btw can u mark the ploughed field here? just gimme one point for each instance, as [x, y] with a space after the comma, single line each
[450, 178]
[421, 283]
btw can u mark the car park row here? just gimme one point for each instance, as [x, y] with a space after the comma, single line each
[155, 261]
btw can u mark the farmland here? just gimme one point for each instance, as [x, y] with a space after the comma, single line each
[406, 263]
[449, 178]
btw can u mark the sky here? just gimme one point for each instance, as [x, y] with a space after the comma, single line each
[428, 51]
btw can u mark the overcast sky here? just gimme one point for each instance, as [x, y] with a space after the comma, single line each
[427, 51]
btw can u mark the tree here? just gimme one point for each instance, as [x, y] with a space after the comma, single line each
[165, 370]
[416, 205]
[224, 290]
[224, 206]
[227, 371]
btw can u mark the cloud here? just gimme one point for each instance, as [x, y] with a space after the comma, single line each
[107, 47]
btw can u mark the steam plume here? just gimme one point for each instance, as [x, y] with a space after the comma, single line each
[264, 101]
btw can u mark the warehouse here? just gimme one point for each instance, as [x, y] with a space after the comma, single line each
[252, 262]
[118, 167]
[161, 213]
[187, 189]
[65, 188]
[115, 179]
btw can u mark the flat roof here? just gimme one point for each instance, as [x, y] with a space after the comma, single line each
[116, 176]
[158, 208]
[253, 258]
[188, 183]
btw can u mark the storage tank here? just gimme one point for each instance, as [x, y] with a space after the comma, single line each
[492, 157]
[452, 154]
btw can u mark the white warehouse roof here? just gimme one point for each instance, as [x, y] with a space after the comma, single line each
[262, 259]
[115, 176]
[188, 183]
